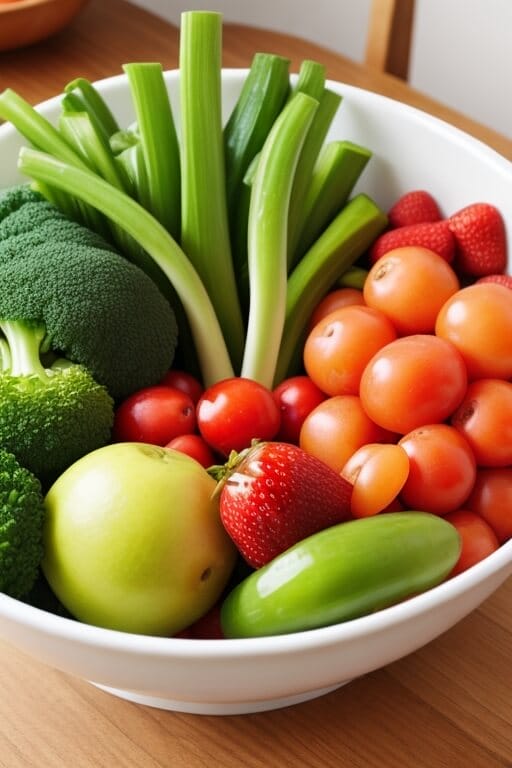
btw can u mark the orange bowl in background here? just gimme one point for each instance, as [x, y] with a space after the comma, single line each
[23, 22]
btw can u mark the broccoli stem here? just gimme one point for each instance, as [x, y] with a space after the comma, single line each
[155, 240]
[24, 342]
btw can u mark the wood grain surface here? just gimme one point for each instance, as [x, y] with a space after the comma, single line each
[447, 705]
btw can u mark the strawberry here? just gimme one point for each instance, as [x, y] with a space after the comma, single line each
[479, 234]
[434, 235]
[414, 207]
[502, 279]
[274, 494]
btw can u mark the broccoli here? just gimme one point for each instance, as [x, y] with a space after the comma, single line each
[49, 415]
[22, 516]
[97, 308]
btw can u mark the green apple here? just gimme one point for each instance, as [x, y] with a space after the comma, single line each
[133, 539]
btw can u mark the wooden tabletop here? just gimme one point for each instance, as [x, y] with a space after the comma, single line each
[449, 704]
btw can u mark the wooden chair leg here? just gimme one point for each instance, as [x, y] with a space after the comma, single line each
[388, 43]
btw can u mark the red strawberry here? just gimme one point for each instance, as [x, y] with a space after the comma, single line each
[414, 207]
[275, 494]
[479, 234]
[434, 235]
[505, 280]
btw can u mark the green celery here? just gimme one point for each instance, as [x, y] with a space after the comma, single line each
[154, 240]
[240, 234]
[93, 103]
[344, 241]
[354, 277]
[310, 80]
[159, 142]
[205, 229]
[339, 166]
[267, 237]
[328, 106]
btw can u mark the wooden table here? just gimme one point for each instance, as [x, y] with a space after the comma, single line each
[449, 704]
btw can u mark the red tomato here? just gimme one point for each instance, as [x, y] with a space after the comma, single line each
[296, 397]
[491, 498]
[184, 381]
[442, 469]
[194, 446]
[154, 415]
[339, 347]
[478, 540]
[341, 297]
[235, 411]
[478, 321]
[377, 472]
[410, 285]
[485, 419]
[415, 380]
[336, 428]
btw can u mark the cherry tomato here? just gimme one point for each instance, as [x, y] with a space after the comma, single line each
[296, 397]
[341, 297]
[410, 285]
[377, 472]
[336, 428]
[184, 381]
[235, 411]
[154, 415]
[442, 469]
[491, 498]
[195, 447]
[478, 540]
[339, 347]
[485, 419]
[415, 380]
[478, 321]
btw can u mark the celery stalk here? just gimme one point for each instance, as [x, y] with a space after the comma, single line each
[354, 277]
[205, 230]
[328, 106]
[94, 104]
[344, 241]
[339, 166]
[159, 142]
[80, 133]
[267, 237]
[311, 79]
[154, 239]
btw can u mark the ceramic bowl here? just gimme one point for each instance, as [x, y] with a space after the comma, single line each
[411, 150]
[24, 22]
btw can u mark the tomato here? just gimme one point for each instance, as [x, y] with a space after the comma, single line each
[485, 419]
[341, 297]
[377, 472]
[415, 380]
[154, 415]
[491, 498]
[336, 428]
[235, 411]
[410, 285]
[195, 447]
[478, 321]
[477, 538]
[296, 397]
[339, 347]
[184, 381]
[442, 469]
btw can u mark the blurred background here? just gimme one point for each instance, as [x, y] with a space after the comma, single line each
[461, 52]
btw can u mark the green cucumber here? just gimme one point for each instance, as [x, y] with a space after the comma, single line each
[343, 572]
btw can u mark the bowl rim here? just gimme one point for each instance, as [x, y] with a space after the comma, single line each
[74, 630]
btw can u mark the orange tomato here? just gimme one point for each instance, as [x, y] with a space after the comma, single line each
[485, 419]
[340, 297]
[377, 472]
[339, 347]
[478, 540]
[491, 498]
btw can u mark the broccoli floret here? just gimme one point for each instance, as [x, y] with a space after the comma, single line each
[49, 416]
[21, 526]
[98, 309]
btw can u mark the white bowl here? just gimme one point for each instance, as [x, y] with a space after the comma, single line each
[411, 150]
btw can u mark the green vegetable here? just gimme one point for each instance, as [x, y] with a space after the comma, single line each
[97, 308]
[22, 517]
[354, 277]
[343, 572]
[90, 101]
[267, 237]
[205, 228]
